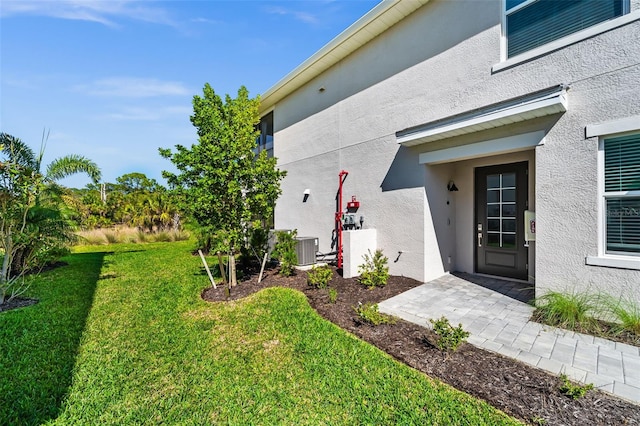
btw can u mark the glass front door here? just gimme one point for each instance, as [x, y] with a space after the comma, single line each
[501, 199]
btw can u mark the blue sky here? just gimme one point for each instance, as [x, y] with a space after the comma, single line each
[113, 80]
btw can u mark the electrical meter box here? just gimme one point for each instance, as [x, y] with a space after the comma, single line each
[349, 221]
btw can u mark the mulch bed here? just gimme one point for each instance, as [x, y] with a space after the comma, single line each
[522, 391]
[17, 302]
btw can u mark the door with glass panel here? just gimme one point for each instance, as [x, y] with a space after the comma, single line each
[501, 199]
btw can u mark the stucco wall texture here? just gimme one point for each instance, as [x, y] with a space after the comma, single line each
[436, 63]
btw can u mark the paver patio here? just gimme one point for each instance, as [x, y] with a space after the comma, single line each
[495, 313]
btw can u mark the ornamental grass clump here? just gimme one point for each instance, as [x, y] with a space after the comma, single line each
[626, 314]
[574, 311]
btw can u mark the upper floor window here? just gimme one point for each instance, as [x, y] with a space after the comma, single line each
[532, 23]
[265, 139]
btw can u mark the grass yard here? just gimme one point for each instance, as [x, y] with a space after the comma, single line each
[122, 337]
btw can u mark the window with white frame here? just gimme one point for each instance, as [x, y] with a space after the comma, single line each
[528, 24]
[621, 194]
[264, 141]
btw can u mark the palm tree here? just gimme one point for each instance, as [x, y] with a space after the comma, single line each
[33, 221]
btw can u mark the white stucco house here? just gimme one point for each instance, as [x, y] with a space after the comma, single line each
[455, 117]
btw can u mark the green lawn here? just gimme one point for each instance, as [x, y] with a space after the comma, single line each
[122, 337]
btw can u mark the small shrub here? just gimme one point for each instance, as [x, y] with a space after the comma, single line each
[575, 311]
[574, 391]
[179, 235]
[163, 237]
[93, 238]
[319, 276]
[538, 420]
[374, 272]
[333, 295]
[142, 237]
[285, 252]
[111, 237]
[449, 338]
[626, 313]
[369, 313]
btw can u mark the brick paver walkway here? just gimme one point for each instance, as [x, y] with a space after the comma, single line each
[500, 323]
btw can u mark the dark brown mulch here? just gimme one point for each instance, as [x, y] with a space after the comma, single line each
[17, 302]
[520, 390]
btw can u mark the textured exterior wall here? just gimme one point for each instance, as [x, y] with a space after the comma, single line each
[435, 64]
[356, 245]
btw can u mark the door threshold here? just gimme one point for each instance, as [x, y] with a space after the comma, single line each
[498, 277]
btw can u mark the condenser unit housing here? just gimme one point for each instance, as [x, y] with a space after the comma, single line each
[306, 250]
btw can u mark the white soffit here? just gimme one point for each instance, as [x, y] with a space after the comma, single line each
[539, 104]
[375, 22]
[484, 149]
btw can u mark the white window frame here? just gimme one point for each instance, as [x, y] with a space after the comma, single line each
[626, 17]
[627, 126]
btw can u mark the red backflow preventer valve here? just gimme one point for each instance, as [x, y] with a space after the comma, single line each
[353, 204]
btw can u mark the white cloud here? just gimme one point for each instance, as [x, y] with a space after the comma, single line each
[128, 87]
[105, 12]
[299, 15]
[206, 21]
[149, 113]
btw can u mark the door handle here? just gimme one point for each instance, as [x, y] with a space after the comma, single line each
[479, 239]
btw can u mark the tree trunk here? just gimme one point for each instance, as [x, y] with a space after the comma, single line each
[6, 266]
[232, 270]
[223, 273]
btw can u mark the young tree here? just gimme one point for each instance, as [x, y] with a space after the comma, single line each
[224, 186]
[31, 220]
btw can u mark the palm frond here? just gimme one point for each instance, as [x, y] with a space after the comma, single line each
[18, 152]
[70, 165]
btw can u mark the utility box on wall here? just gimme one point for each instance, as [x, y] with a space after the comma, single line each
[355, 245]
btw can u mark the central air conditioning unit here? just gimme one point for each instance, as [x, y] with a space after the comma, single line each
[306, 250]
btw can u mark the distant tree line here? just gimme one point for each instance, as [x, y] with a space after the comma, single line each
[134, 200]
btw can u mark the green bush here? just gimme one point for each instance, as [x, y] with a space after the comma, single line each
[333, 295]
[374, 272]
[369, 313]
[285, 252]
[574, 391]
[257, 244]
[319, 276]
[449, 338]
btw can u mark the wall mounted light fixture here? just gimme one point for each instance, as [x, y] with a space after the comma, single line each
[451, 186]
[305, 195]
